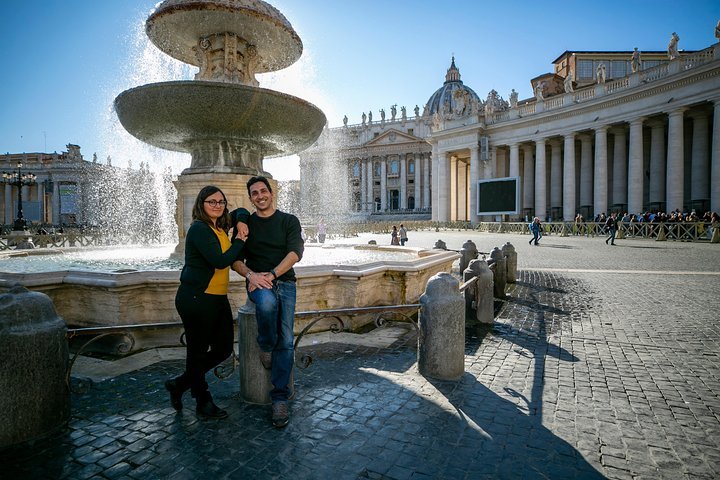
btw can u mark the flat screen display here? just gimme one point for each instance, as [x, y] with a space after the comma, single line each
[498, 196]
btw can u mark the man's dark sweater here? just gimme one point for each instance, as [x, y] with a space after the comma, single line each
[270, 240]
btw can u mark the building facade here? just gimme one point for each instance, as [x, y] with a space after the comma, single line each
[605, 131]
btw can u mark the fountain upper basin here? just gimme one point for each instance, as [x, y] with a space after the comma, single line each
[192, 116]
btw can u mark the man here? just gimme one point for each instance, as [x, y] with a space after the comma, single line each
[611, 226]
[403, 235]
[272, 248]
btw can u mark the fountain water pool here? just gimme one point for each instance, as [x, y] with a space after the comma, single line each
[156, 258]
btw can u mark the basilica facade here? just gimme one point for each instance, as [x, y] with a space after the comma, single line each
[604, 131]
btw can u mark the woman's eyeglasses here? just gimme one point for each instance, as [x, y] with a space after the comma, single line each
[216, 203]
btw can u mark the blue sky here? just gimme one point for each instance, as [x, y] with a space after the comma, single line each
[66, 60]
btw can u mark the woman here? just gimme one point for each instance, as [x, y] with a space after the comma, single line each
[394, 238]
[202, 300]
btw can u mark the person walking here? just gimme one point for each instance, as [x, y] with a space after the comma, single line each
[272, 248]
[202, 301]
[535, 230]
[403, 235]
[611, 228]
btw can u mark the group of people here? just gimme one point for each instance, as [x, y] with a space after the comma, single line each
[398, 237]
[263, 247]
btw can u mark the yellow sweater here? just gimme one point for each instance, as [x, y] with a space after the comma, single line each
[219, 282]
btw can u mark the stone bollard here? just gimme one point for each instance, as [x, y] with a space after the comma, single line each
[440, 245]
[661, 233]
[441, 344]
[255, 383]
[510, 255]
[467, 252]
[34, 394]
[480, 298]
[499, 273]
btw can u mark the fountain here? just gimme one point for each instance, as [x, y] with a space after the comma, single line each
[222, 118]
[229, 125]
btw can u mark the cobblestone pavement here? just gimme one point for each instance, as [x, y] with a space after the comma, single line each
[602, 363]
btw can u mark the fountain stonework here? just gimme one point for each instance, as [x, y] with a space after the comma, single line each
[222, 118]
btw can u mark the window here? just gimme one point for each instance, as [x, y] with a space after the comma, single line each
[411, 167]
[377, 169]
[394, 167]
[585, 70]
[618, 68]
[376, 134]
[356, 169]
[411, 203]
[411, 131]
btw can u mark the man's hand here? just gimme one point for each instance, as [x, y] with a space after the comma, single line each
[259, 280]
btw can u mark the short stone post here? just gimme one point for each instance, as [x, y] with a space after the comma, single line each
[441, 344]
[467, 252]
[661, 233]
[499, 273]
[510, 255]
[440, 245]
[715, 226]
[34, 394]
[480, 298]
[255, 382]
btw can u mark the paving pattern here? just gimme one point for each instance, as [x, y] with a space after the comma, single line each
[602, 363]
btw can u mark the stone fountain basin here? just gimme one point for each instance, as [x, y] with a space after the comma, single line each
[91, 299]
[176, 25]
[182, 115]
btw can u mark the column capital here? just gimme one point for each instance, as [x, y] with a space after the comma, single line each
[656, 122]
[678, 111]
[555, 142]
[637, 121]
[602, 128]
[539, 140]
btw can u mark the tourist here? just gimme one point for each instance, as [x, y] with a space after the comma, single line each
[394, 236]
[321, 231]
[579, 221]
[535, 230]
[202, 301]
[611, 226]
[403, 235]
[274, 246]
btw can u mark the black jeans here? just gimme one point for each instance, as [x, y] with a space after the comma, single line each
[208, 323]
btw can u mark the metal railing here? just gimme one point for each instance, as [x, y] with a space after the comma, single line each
[383, 316]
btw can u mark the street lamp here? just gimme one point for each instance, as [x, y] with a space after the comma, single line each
[18, 179]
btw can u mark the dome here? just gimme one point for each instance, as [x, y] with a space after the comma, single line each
[453, 98]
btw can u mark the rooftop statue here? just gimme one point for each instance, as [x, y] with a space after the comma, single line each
[673, 46]
[600, 73]
[635, 62]
[568, 83]
[513, 98]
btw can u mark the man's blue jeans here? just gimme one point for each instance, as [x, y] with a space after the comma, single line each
[275, 314]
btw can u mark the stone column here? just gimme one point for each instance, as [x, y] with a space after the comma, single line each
[635, 167]
[426, 181]
[569, 177]
[586, 172]
[656, 188]
[403, 181]
[443, 195]
[56, 203]
[514, 160]
[600, 175]
[619, 189]
[556, 178]
[8, 205]
[417, 181]
[435, 183]
[540, 180]
[474, 177]
[383, 183]
[363, 185]
[699, 185]
[675, 161]
[501, 163]
[715, 158]
[41, 199]
[528, 178]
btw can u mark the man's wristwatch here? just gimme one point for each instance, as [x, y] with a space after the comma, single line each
[272, 270]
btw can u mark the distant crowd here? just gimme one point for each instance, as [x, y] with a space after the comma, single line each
[657, 217]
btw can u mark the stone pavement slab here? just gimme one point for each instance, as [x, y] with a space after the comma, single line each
[602, 363]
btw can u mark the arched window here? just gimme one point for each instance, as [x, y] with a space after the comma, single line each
[394, 167]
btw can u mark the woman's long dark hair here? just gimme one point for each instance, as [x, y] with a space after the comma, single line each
[198, 212]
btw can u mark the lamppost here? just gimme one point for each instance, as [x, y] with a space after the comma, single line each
[18, 179]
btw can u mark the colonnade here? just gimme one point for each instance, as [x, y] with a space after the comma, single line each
[33, 194]
[663, 161]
